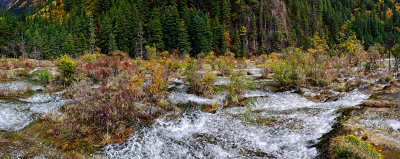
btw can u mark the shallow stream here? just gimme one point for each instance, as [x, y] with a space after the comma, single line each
[275, 125]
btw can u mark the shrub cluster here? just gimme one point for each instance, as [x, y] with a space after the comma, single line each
[110, 96]
[66, 67]
[351, 147]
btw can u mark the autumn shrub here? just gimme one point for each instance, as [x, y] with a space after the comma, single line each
[396, 53]
[122, 55]
[200, 81]
[106, 66]
[158, 80]
[90, 58]
[66, 67]
[45, 63]
[210, 60]
[45, 76]
[351, 147]
[288, 70]
[192, 76]
[235, 89]
[225, 68]
[123, 97]
[285, 74]
[373, 55]
[151, 52]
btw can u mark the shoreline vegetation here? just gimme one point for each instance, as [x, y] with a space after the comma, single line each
[113, 95]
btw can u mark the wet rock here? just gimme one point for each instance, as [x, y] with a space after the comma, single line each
[320, 96]
[352, 84]
[392, 87]
[176, 81]
[378, 104]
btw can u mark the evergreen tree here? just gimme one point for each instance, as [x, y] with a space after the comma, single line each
[112, 44]
[81, 44]
[200, 32]
[22, 48]
[183, 43]
[4, 33]
[92, 37]
[154, 31]
[236, 42]
[36, 46]
[253, 33]
[174, 30]
[126, 28]
[226, 13]
[68, 46]
[105, 30]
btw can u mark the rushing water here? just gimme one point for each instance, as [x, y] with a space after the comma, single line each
[276, 125]
[17, 113]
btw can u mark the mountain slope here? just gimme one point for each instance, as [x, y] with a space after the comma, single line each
[19, 6]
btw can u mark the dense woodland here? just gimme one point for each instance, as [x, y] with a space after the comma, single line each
[244, 27]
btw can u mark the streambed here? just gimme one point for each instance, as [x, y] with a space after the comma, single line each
[15, 114]
[275, 125]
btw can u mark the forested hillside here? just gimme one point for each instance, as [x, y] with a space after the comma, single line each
[244, 27]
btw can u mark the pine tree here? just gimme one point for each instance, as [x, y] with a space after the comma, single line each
[81, 44]
[22, 48]
[112, 44]
[105, 30]
[174, 30]
[253, 33]
[92, 37]
[36, 46]
[200, 33]
[4, 32]
[47, 48]
[183, 43]
[55, 48]
[144, 10]
[140, 41]
[126, 28]
[68, 46]
[226, 13]
[154, 31]
[236, 42]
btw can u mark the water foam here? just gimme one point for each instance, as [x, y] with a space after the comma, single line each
[16, 114]
[223, 135]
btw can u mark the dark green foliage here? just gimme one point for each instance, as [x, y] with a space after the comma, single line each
[154, 30]
[68, 46]
[193, 26]
[200, 31]
[174, 30]
[127, 27]
[4, 33]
